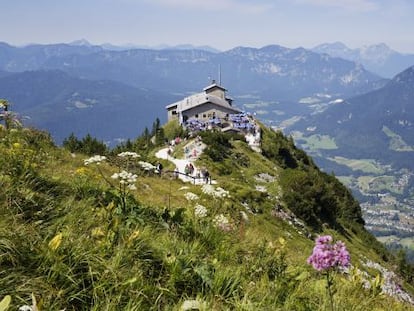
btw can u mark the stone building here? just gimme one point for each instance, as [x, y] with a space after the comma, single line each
[210, 104]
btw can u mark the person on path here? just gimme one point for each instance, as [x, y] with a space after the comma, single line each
[206, 176]
[159, 168]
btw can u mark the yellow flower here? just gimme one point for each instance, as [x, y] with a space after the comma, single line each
[133, 236]
[16, 145]
[55, 242]
[97, 232]
[81, 171]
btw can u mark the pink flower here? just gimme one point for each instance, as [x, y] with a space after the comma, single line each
[326, 255]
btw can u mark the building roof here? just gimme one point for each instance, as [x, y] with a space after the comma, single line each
[214, 85]
[201, 98]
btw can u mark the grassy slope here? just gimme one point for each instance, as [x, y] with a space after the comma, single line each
[64, 239]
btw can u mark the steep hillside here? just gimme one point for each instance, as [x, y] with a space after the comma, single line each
[375, 125]
[367, 141]
[62, 104]
[83, 235]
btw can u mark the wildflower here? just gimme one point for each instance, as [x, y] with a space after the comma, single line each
[244, 216]
[125, 176]
[215, 192]
[191, 196]
[25, 308]
[55, 242]
[95, 159]
[81, 171]
[132, 187]
[128, 154]
[190, 305]
[327, 255]
[97, 232]
[147, 166]
[200, 211]
[222, 222]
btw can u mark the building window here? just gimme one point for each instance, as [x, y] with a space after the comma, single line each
[204, 116]
[174, 112]
[196, 116]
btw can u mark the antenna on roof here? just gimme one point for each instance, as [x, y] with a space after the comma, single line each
[219, 73]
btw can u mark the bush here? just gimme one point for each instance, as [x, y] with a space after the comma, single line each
[88, 145]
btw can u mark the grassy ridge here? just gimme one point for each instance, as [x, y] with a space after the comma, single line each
[71, 236]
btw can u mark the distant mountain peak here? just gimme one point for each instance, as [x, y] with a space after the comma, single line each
[407, 77]
[378, 58]
[334, 45]
[81, 42]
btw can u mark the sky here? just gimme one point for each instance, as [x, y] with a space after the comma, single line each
[222, 24]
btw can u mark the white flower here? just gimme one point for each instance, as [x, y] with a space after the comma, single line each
[200, 211]
[147, 166]
[126, 178]
[191, 196]
[190, 305]
[222, 222]
[95, 159]
[217, 192]
[220, 192]
[244, 216]
[128, 154]
[25, 308]
[132, 187]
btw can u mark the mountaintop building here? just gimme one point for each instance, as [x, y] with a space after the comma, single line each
[211, 104]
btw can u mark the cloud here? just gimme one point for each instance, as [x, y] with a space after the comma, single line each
[351, 5]
[214, 5]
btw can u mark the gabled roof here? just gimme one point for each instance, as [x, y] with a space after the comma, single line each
[212, 86]
[208, 99]
[203, 98]
[200, 99]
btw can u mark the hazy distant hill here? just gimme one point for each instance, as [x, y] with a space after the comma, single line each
[375, 125]
[377, 58]
[32, 57]
[62, 104]
[271, 72]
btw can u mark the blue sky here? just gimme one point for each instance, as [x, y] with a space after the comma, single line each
[222, 24]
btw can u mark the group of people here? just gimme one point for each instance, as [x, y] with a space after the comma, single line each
[189, 170]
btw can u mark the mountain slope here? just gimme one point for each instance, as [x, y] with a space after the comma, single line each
[360, 124]
[32, 57]
[377, 58]
[367, 141]
[61, 104]
[270, 73]
[73, 238]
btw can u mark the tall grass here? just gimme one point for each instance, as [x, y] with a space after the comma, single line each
[64, 241]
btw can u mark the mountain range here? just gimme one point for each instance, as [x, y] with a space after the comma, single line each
[269, 73]
[378, 58]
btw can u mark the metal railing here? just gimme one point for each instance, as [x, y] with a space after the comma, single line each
[175, 174]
